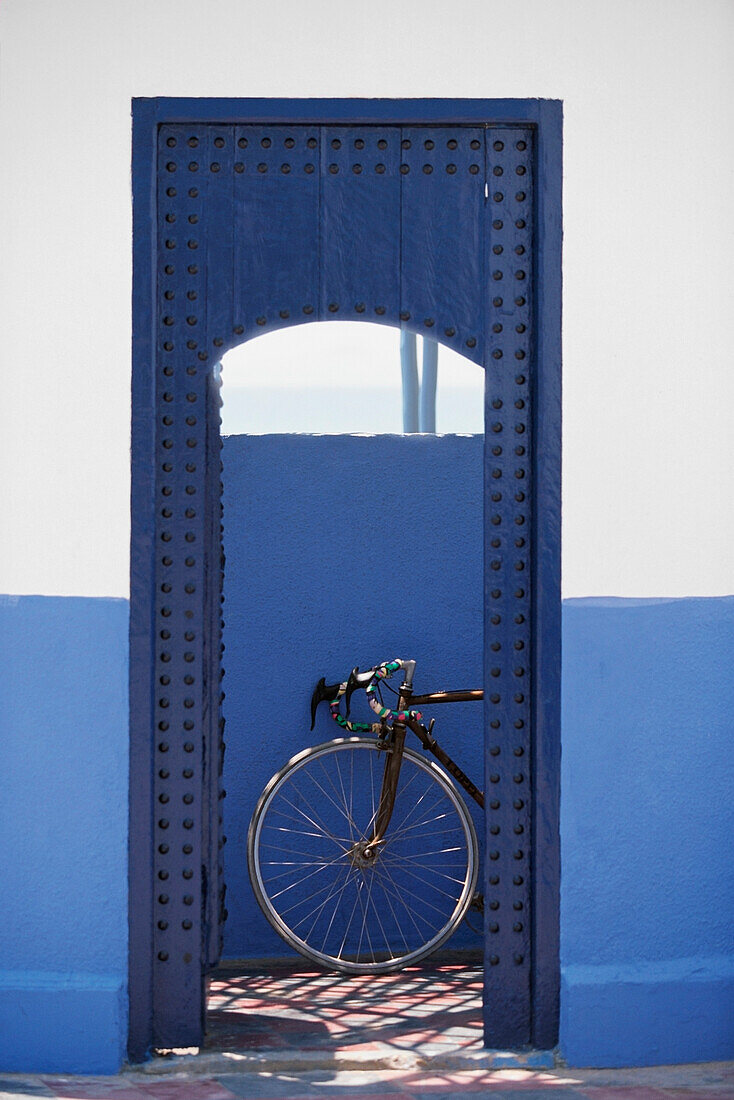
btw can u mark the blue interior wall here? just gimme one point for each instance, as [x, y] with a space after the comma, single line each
[312, 525]
[63, 834]
[647, 816]
[340, 551]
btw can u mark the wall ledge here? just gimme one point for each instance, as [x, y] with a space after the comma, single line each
[622, 603]
[62, 1023]
[48, 979]
[648, 1013]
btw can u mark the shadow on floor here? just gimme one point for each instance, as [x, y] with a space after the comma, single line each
[268, 1008]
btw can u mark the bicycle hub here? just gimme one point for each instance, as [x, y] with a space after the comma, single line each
[363, 854]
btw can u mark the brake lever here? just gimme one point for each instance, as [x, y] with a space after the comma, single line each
[356, 682]
[322, 693]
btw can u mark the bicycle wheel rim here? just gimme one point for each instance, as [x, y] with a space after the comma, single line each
[351, 918]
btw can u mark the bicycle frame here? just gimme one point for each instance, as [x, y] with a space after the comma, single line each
[391, 774]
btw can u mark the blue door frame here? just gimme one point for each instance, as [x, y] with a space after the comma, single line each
[221, 190]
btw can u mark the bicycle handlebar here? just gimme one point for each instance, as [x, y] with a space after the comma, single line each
[369, 681]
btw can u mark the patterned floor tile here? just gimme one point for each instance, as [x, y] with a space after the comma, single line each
[18, 1086]
[305, 1087]
[428, 1004]
[642, 1092]
[496, 1083]
[502, 1092]
[715, 1092]
[95, 1088]
[11, 1091]
[193, 1088]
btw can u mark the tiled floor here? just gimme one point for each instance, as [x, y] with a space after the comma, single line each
[706, 1082]
[292, 1033]
[424, 1009]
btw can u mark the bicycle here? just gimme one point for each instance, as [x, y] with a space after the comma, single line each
[362, 853]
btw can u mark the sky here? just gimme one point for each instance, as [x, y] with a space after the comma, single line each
[338, 377]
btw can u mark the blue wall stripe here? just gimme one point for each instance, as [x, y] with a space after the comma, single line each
[647, 808]
[63, 833]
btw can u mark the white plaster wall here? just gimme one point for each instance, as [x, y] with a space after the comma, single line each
[649, 323]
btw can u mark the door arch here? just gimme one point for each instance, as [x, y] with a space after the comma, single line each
[436, 216]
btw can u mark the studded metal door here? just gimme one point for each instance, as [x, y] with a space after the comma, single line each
[259, 225]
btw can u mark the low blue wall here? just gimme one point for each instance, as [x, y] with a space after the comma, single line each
[341, 551]
[647, 810]
[63, 834]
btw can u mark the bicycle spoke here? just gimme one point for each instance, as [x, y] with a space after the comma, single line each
[333, 915]
[434, 871]
[311, 821]
[340, 955]
[348, 805]
[399, 897]
[398, 925]
[293, 868]
[399, 795]
[275, 809]
[365, 922]
[308, 876]
[289, 849]
[377, 915]
[424, 902]
[415, 806]
[351, 783]
[435, 852]
[326, 795]
[420, 824]
[303, 901]
[426, 882]
[320, 908]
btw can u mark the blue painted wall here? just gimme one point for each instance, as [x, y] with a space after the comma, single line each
[647, 790]
[341, 551]
[63, 834]
[647, 810]
[647, 785]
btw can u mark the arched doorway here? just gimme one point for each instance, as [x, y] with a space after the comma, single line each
[345, 537]
[430, 216]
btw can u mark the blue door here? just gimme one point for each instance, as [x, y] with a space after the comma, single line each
[439, 218]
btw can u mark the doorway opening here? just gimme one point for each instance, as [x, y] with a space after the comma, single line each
[347, 541]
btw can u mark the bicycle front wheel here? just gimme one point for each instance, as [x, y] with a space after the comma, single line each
[357, 912]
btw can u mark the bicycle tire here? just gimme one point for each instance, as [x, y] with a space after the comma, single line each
[310, 878]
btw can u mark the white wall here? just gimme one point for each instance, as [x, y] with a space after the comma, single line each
[649, 324]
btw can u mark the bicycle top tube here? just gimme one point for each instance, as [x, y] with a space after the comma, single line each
[469, 695]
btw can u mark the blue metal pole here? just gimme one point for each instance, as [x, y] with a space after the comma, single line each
[409, 369]
[428, 386]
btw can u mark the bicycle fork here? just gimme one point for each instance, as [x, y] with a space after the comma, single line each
[391, 774]
[389, 788]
